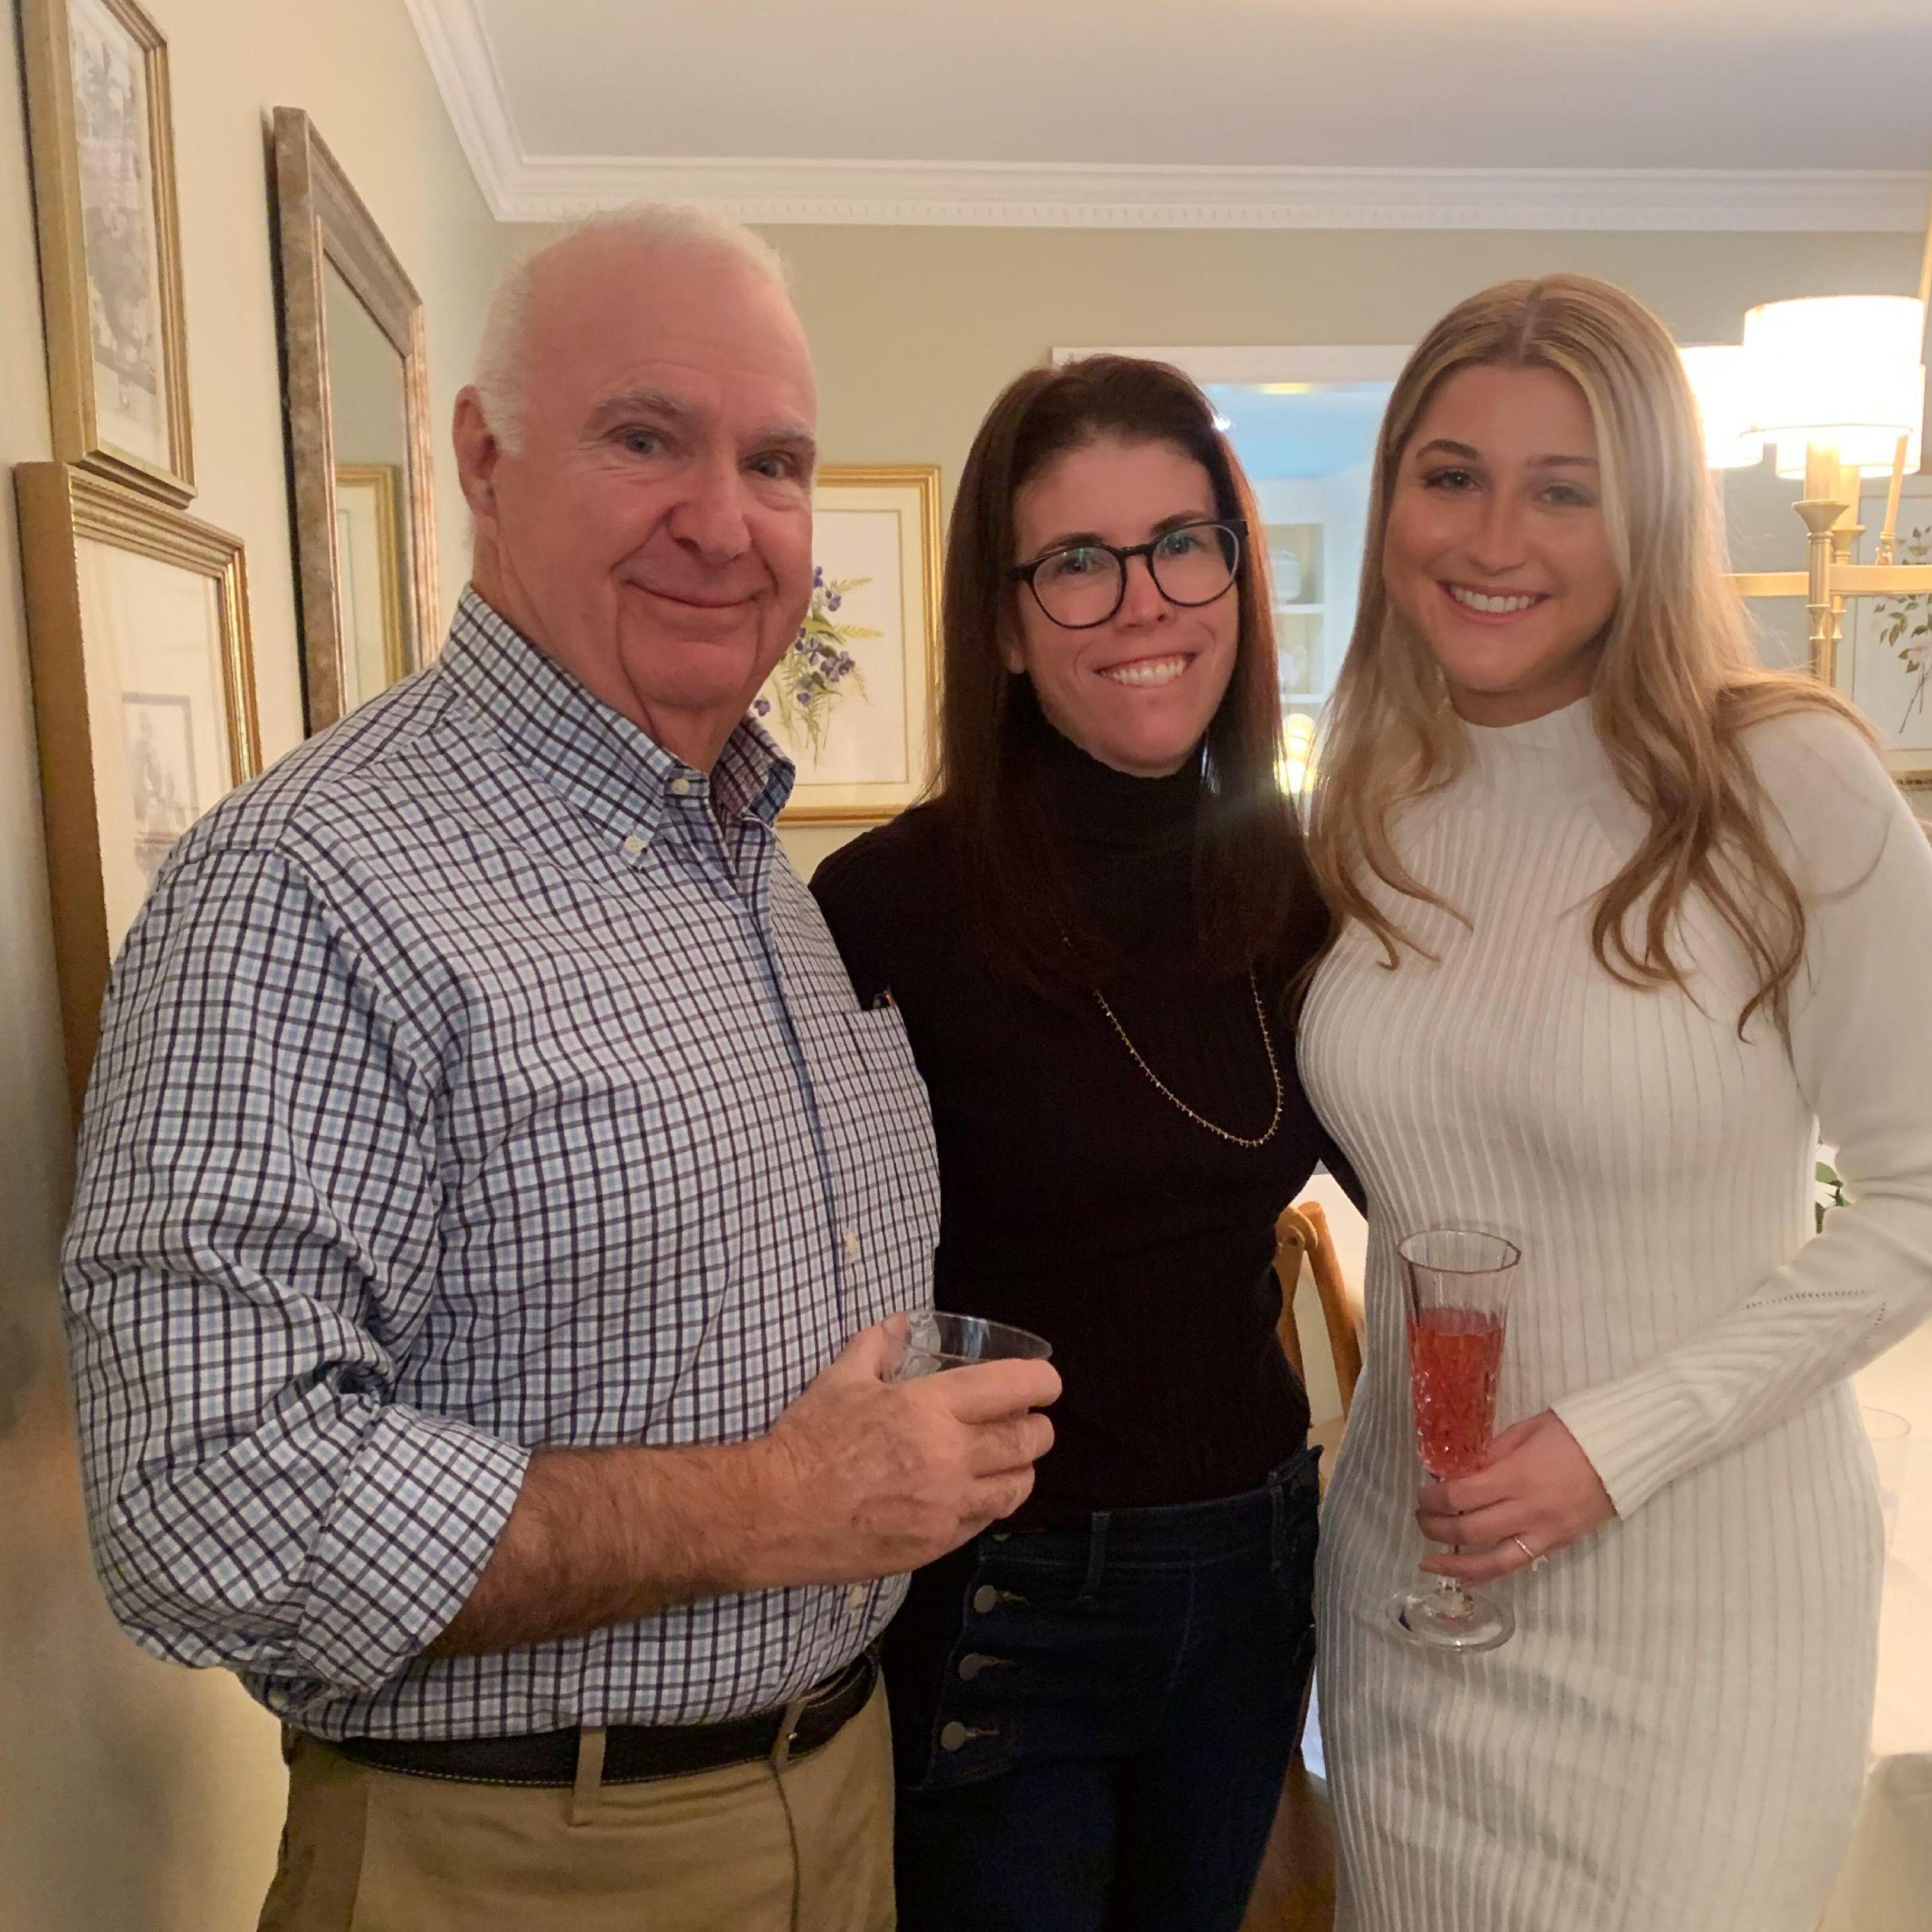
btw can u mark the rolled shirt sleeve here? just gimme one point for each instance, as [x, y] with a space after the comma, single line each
[254, 1239]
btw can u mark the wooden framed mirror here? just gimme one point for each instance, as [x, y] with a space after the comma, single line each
[356, 394]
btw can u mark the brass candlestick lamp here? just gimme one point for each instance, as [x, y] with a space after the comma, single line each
[1837, 384]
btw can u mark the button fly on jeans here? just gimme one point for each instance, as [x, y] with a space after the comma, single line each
[986, 1599]
[956, 1736]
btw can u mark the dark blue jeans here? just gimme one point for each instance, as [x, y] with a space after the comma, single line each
[1092, 1726]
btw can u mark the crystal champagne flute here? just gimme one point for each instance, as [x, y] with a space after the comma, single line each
[1458, 1284]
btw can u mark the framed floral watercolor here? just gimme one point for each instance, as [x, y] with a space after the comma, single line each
[1886, 665]
[144, 697]
[852, 702]
[96, 73]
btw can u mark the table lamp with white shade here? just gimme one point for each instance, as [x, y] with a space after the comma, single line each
[1721, 381]
[1836, 384]
[1840, 372]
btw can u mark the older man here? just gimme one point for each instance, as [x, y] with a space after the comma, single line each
[490, 1198]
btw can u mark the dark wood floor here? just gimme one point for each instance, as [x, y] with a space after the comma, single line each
[1296, 1890]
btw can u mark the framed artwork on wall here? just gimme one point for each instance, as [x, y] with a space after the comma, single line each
[1884, 662]
[370, 550]
[852, 701]
[96, 73]
[144, 697]
[356, 396]
[1925, 356]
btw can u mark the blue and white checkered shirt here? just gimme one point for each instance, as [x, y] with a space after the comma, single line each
[480, 1077]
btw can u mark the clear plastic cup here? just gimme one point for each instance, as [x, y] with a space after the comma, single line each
[935, 1341]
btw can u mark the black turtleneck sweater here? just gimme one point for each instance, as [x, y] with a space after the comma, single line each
[1077, 1201]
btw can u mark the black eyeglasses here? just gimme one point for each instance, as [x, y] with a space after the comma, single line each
[1084, 584]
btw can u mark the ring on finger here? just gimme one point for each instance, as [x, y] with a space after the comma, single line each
[1536, 1562]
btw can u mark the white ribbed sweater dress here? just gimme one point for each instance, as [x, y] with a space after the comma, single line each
[1674, 1740]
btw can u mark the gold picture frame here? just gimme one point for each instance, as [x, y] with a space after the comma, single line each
[322, 226]
[144, 699]
[102, 127]
[369, 556]
[1925, 354]
[854, 700]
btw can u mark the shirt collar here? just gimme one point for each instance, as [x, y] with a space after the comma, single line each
[598, 760]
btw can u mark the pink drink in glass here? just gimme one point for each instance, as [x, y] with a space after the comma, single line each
[1458, 1283]
[1455, 1356]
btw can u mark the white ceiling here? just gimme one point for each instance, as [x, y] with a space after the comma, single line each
[1762, 107]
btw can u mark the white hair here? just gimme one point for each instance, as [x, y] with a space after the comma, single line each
[500, 358]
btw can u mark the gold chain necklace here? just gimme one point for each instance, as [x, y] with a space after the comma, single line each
[1201, 1120]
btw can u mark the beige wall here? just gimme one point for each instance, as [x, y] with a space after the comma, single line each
[916, 329]
[135, 1797]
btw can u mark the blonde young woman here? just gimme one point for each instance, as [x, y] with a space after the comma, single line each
[1624, 919]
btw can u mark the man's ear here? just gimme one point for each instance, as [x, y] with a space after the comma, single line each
[478, 452]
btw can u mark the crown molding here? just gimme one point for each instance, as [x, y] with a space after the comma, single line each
[457, 45]
[520, 186]
[1007, 194]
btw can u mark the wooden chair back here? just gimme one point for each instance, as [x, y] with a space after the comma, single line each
[1295, 1890]
[1302, 1246]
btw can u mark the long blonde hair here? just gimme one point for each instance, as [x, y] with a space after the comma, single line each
[1677, 683]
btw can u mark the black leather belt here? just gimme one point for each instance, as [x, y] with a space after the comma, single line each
[632, 1753]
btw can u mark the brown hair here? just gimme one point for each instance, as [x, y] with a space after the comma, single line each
[1257, 906]
[1677, 685]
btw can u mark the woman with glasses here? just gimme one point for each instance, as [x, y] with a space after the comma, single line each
[1091, 931]
[1625, 918]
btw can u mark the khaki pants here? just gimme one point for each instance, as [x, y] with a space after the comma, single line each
[748, 1849]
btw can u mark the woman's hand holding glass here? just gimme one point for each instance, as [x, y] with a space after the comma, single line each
[1536, 1495]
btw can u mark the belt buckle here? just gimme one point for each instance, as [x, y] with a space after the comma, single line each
[826, 1697]
[789, 1720]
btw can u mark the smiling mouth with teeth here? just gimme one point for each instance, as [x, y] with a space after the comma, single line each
[1146, 671]
[1493, 604]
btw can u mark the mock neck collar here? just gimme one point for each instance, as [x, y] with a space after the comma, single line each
[1571, 728]
[1093, 805]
